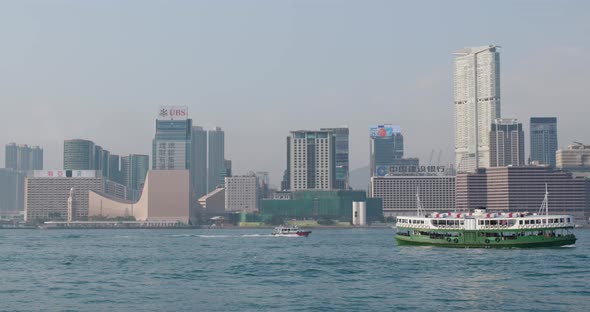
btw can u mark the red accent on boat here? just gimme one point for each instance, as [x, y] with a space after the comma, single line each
[510, 215]
[487, 215]
[458, 215]
[449, 213]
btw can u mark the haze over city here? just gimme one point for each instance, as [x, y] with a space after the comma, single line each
[258, 69]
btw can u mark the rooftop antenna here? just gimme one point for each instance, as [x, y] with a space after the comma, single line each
[545, 204]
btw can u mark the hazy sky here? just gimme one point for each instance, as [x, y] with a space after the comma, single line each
[99, 70]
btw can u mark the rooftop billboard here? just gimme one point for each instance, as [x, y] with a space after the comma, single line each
[64, 173]
[173, 112]
[384, 130]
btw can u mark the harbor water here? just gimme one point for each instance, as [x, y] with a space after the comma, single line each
[249, 270]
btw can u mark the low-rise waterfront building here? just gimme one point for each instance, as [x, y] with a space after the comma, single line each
[335, 205]
[436, 193]
[575, 159]
[47, 193]
[519, 189]
[214, 202]
[166, 197]
[242, 193]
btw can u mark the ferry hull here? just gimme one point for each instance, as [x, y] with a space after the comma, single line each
[491, 242]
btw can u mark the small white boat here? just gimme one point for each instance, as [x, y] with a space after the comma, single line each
[289, 231]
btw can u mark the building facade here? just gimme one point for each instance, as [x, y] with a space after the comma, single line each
[519, 189]
[171, 146]
[477, 104]
[22, 157]
[543, 131]
[12, 192]
[316, 204]
[436, 193]
[79, 155]
[165, 198]
[242, 193]
[312, 160]
[386, 148]
[506, 143]
[216, 158]
[342, 159]
[47, 193]
[575, 159]
[199, 161]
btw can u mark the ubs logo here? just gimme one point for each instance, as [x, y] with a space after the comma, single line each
[163, 112]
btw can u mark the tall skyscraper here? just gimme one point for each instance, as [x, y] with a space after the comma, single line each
[216, 159]
[79, 155]
[199, 161]
[22, 157]
[506, 143]
[286, 182]
[543, 140]
[134, 170]
[36, 158]
[312, 160]
[113, 170]
[387, 146]
[11, 156]
[171, 146]
[342, 159]
[477, 104]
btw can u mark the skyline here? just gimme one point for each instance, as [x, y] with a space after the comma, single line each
[71, 75]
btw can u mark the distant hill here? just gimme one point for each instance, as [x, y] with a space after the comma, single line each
[359, 178]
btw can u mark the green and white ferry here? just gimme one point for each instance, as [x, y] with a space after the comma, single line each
[483, 229]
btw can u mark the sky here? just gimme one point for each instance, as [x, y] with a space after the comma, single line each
[99, 70]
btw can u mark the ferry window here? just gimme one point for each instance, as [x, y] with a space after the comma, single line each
[538, 221]
[561, 220]
[461, 222]
[569, 220]
[511, 222]
[519, 221]
[544, 221]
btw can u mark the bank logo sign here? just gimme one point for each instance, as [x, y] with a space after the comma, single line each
[173, 113]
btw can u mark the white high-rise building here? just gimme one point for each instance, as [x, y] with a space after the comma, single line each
[477, 104]
[312, 160]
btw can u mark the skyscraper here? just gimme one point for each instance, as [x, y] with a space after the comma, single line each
[387, 146]
[113, 170]
[506, 143]
[22, 157]
[199, 161]
[134, 170]
[477, 104]
[171, 146]
[36, 158]
[312, 160]
[79, 155]
[543, 140]
[342, 159]
[10, 156]
[216, 159]
[286, 182]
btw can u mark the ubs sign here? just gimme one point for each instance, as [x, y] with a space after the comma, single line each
[173, 113]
